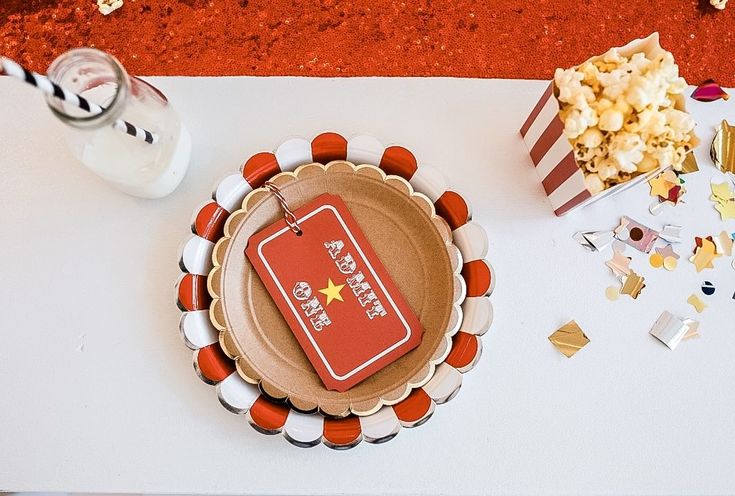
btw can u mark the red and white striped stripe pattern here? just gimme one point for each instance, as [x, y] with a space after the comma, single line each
[553, 156]
[215, 367]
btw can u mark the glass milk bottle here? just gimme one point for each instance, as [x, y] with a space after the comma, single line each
[134, 166]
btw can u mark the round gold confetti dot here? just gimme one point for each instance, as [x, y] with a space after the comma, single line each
[612, 293]
[656, 260]
[670, 263]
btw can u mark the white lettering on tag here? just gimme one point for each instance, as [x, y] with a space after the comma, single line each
[355, 280]
[311, 306]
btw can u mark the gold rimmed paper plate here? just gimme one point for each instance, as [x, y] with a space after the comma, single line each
[414, 244]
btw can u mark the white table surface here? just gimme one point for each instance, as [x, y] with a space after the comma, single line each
[97, 391]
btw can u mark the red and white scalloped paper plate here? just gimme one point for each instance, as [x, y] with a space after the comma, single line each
[270, 417]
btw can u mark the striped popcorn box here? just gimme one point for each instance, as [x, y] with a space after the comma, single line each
[552, 154]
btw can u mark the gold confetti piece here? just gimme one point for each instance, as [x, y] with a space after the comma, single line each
[722, 150]
[633, 285]
[724, 243]
[619, 264]
[612, 293]
[656, 260]
[698, 304]
[721, 192]
[660, 185]
[704, 255]
[670, 263]
[727, 210]
[690, 164]
[569, 339]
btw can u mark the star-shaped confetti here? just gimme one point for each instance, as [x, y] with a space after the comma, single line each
[667, 187]
[667, 251]
[727, 210]
[721, 192]
[633, 285]
[660, 186]
[664, 257]
[724, 198]
[704, 255]
[619, 264]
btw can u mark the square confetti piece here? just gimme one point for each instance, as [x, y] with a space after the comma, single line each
[569, 339]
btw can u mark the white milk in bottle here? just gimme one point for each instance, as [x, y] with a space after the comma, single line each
[129, 163]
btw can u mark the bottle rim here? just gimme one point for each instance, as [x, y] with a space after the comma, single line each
[67, 61]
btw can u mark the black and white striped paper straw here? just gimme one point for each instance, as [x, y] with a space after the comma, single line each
[44, 84]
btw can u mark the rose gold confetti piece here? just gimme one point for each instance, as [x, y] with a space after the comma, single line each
[633, 285]
[612, 293]
[698, 304]
[667, 251]
[569, 338]
[619, 264]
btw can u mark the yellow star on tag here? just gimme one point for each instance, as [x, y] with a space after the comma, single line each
[332, 291]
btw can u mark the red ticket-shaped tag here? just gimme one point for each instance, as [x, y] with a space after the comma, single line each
[338, 299]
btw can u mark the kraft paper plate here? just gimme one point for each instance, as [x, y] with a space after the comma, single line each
[270, 416]
[414, 244]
